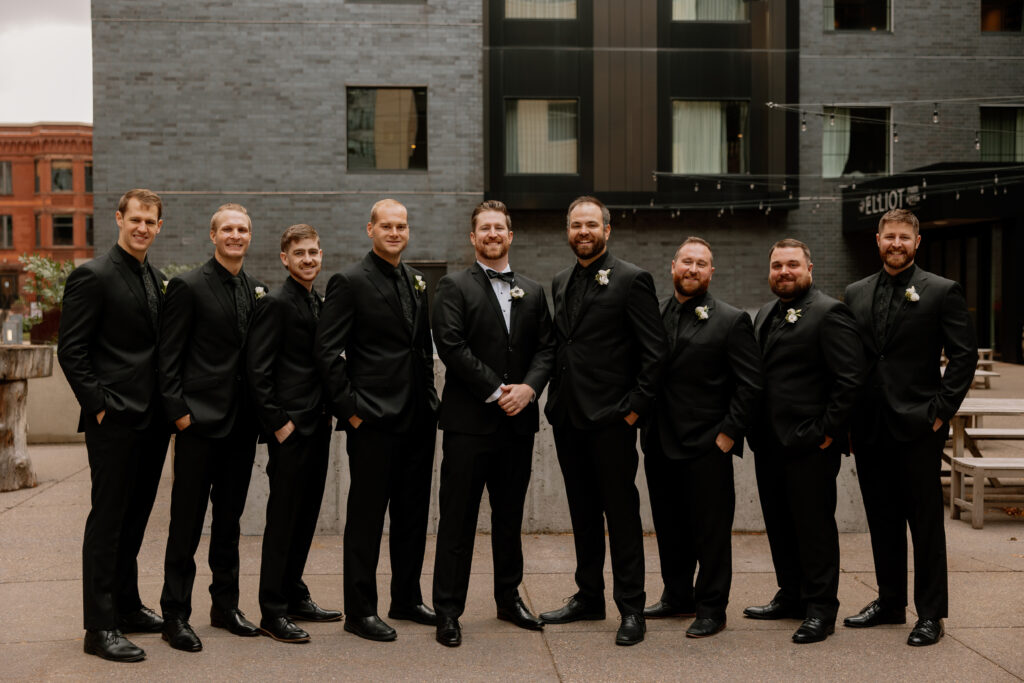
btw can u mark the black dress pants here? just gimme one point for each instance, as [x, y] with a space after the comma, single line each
[215, 470]
[693, 501]
[390, 473]
[798, 500]
[599, 468]
[503, 463]
[900, 483]
[125, 466]
[297, 470]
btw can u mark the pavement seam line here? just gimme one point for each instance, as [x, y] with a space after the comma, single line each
[987, 659]
[544, 637]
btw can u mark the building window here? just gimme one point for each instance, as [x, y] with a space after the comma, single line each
[856, 15]
[63, 231]
[6, 185]
[89, 235]
[88, 177]
[387, 129]
[39, 230]
[541, 136]
[709, 137]
[60, 176]
[37, 176]
[540, 9]
[6, 232]
[855, 141]
[1002, 134]
[709, 10]
[1002, 15]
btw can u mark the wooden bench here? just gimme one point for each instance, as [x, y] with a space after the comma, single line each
[984, 378]
[979, 469]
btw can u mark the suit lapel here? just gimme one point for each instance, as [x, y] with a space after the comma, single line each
[134, 284]
[692, 328]
[295, 294]
[221, 294]
[919, 282]
[562, 312]
[485, 283]
[384, 286]
[862, 307]
[594, 290]
[783, 329]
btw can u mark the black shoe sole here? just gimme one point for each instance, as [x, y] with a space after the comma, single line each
[673, 615]
[399, 616]
[529, 626]
[627, 643]
[368, 636]
[774, 616]
[279, 639]
[705, 635]
[806, 641]
[181, 649]
[312, 620]
[582, 617]
[886, 622]
[240, 634]
[101, 655]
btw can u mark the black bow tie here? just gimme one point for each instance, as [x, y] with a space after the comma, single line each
[508, 277]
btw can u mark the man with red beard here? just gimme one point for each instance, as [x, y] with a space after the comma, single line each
[813, 367]
[611, 350]
[706, 405]
[906, 317]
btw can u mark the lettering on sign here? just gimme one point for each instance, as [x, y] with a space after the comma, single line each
[898, 198]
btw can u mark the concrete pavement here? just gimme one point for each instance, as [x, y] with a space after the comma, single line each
[41, 638]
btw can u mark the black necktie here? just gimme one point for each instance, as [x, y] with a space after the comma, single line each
[772, 326]
[241, 304]
[152, 298]
[882, 304]
[577, 288]
[402, 288]
[671, 321]
[313, 301]
[508, 277]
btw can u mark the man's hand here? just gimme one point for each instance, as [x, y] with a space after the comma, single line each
[284, 432]
[724, 442]
[826, 443]
[183, 422]
[515, 397]
[937, 424]
[355, 421]
[632, 418]
[100, 415]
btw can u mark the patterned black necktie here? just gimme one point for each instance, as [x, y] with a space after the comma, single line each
[508, 277]
[671, 321]
[152, 298]
[882, 303]
[313, 301]
[577, 288]
[402, 288]
[241, 304]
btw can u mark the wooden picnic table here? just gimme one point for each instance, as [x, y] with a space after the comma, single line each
[970, 414]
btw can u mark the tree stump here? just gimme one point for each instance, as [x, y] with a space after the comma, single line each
[17, 365]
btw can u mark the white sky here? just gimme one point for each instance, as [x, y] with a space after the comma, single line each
[45, 61]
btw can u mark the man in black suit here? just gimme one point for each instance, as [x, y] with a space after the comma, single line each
[813, 367]
[285, 386]
[493, 333]
[611, 349]
[906, 317]
[202, 379]
[377, 359]
[107, 349]
[706, 405]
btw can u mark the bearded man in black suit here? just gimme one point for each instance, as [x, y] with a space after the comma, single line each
[813, 369]
[907, 317]
[705, 407]
[611, 350]
[202, 379]
[375, 354]
[107, 349]
[285, 386]
[493, 333]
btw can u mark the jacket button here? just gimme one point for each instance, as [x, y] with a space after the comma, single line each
[510, 348]
[569, 342]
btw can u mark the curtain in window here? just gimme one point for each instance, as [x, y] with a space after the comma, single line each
[708, 10]
[699, 137]
[829, 11]
[540, 136]
[835, 143]
[540, 9]
[394, 128]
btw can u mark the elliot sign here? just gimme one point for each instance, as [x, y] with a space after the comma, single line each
[887, 200]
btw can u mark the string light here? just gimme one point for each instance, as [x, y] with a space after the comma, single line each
[696, 187]
[977, 141]
[718, 185]
[803, 124]
[832, 118]
[895, 134]
[935, 113]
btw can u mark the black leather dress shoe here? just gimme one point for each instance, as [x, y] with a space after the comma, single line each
[773, 610]
[371, 628]
[307, 610]
[420, 613]
[574, 610]
[234, 621]
[113, 646]
[874, 614]
[814, 630]
[702, 627]
[631, 630]
[517, 613]
[449, 631]
[664, 610]
[926, 632]
[283, 629]
[142, 620]
[180, 636]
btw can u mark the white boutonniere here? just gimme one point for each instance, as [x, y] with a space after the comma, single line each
[793, 314]
[164, 286]
[912, 294]
[260, 292]
[517, 293]
[702, 312]
[602, 276]
[420, 284]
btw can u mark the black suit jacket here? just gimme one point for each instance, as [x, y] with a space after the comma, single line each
[374, 366]
[202, 351]
[905, 388]
[107, 344]
[479, 354]
[813, 370]
[281, 361]
[610, 360]
[712, 383]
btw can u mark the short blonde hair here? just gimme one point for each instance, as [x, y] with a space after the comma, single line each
[228, 207]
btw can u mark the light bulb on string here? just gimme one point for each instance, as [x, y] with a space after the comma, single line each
[718, 185]
[803, 124]
[696, 187]
[977, 142]
[924, 182]
[958, 195]
[832, 119]
[895, 134]
[935, 113]
[751, 186]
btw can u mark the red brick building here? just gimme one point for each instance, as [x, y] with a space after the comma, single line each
[45, 197]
